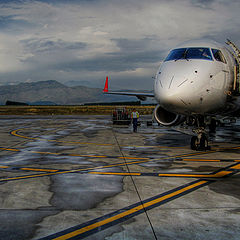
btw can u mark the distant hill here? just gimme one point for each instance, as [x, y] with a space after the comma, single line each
[53, 92]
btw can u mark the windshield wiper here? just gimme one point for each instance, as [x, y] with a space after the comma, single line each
[184, 56]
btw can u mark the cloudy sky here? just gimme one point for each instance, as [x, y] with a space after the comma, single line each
[85, 40]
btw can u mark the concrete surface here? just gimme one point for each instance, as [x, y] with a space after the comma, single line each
[75, 177]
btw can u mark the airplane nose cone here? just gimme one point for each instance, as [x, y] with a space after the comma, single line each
[179, 85]
[170, 94]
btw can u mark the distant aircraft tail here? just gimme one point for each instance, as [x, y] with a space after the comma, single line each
[106, 85]
[140, 95]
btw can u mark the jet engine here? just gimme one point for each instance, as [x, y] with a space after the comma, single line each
[167, 118]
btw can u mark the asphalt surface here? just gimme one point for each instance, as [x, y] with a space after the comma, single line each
[80, 177]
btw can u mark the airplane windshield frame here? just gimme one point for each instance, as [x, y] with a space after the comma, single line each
[189, 53]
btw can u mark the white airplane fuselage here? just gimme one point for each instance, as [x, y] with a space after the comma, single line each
[195, 84]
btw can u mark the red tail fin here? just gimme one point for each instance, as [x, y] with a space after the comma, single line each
[106, 85]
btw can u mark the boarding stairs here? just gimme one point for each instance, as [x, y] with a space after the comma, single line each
[236, 55]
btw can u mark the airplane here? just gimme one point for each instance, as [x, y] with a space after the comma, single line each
[197, 81]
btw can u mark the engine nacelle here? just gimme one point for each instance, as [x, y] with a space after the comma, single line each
[167, 118]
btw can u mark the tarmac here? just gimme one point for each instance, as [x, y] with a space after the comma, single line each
[80, 177]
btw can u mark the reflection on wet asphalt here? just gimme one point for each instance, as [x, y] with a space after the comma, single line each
[13, 223]
[83, 191]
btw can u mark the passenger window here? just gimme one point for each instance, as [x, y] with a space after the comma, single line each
[218, 55]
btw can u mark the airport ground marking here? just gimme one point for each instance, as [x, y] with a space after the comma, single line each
[4, 167]
[54, 172]
[91, 168]
[86, 229]
[206, 160]
[174, 158]
[103, 156]
[16, 134]
[99, 224]
[183, 175]
[38, 169]
[224, 174]
[66, 171]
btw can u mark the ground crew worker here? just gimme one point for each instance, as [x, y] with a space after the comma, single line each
[134, 117]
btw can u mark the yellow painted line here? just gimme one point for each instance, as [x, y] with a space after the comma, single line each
[118, 157]
[79, 155]
[15, 133]
[236, 167]
[84, 143]
[91, 156]
[25, 177]
[33, 169]
[45, 153]
[39, 169]
[131, 211]
[136, 158]
[217, 175]
[200, 160]
[221, 174]
[116, 173]
[11, 149]
[195, 154]
[21, 136]
[91, 168]
[3, 166]
[67, 171]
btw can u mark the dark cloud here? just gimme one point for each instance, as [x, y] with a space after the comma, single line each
[122, 37]
[46, 45]
[133, 54]
[133, 45]
[69, 1]
[117, 62]
[203, 3]
[58, 55]
[12, 24]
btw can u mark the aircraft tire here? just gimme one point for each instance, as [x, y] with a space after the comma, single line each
[203, 143]
[194, 143]
[212, 126]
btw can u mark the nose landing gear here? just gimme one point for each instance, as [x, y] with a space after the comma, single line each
[199, 142]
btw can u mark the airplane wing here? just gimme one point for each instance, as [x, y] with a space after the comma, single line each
[140, 95]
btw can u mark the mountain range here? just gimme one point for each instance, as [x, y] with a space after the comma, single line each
[52, 92]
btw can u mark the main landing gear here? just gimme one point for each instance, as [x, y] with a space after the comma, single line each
[199, 142]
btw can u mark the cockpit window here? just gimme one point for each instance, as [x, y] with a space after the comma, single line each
[218, 55]
[189, 53]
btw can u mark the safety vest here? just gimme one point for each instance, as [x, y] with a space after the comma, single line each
[135, 115]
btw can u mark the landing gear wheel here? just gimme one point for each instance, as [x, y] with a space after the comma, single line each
[203, 146]
[194, 143]
[200, 145]
[212, 126]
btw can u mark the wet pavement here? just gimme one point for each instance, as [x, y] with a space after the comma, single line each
[80, 177]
